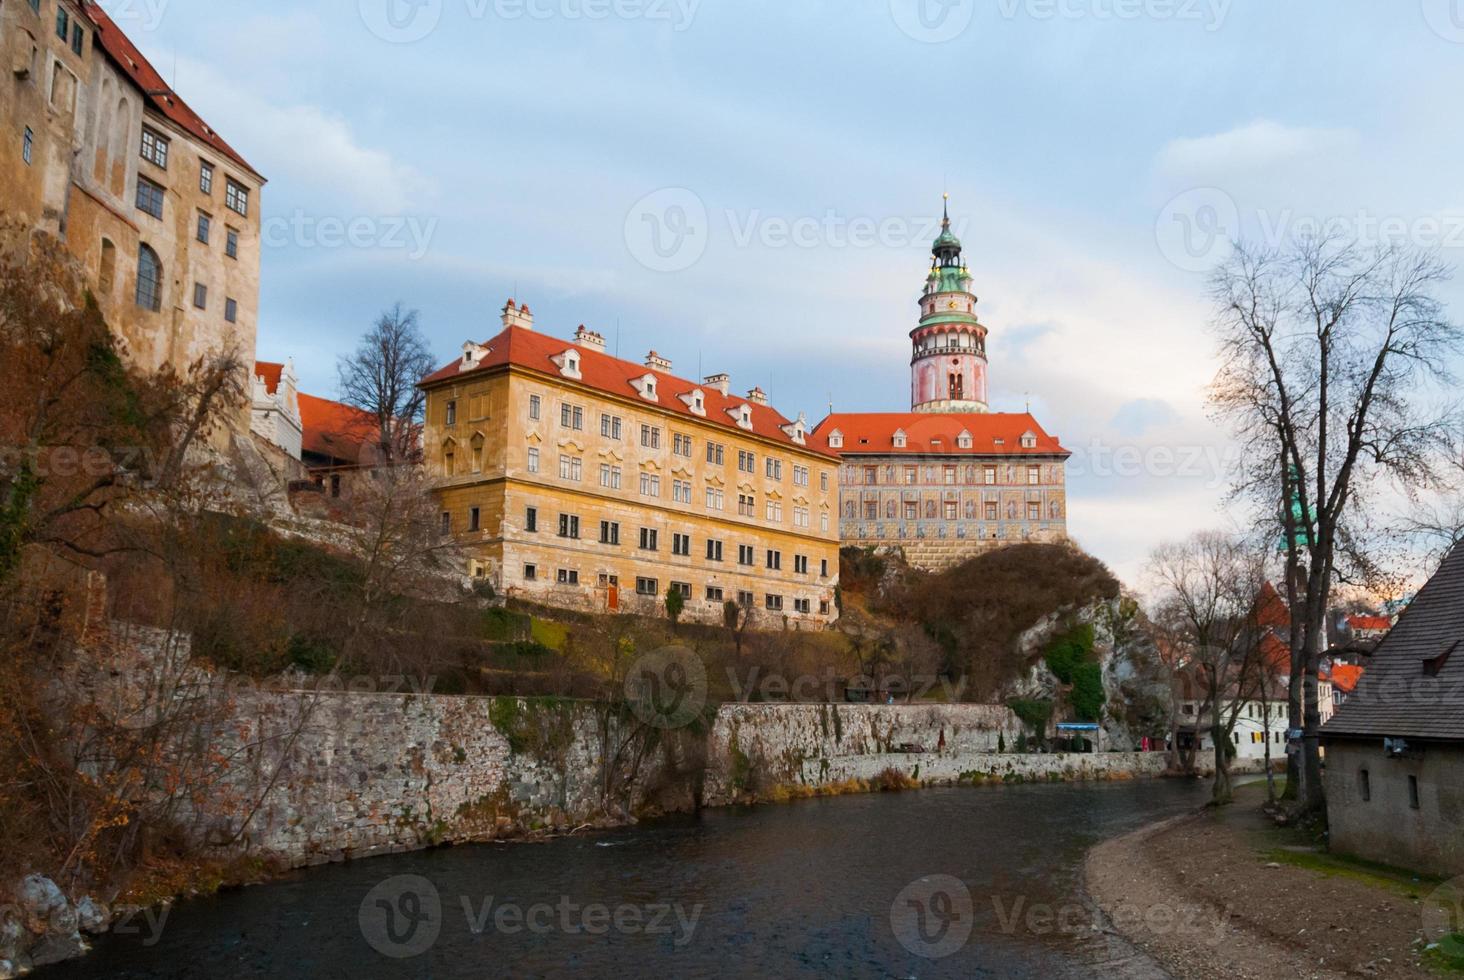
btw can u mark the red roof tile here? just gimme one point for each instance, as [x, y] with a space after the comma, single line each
[1346, 676]
[874, 432]
[334, 429]
[1271, 609]
[158, 93]
[530, 349]
[1369, 623]
[270, 372]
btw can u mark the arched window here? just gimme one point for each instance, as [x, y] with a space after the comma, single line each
[107, 272]
[149, 279]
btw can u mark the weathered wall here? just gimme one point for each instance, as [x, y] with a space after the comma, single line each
[1386, 827]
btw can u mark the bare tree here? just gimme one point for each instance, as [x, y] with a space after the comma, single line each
[1208, 589]
[381, 377]
[1328, 353]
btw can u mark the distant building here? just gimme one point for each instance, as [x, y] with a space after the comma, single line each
[275, 415]
[1368, 627]
[949, 478]
[1395, 748]
[578, 479]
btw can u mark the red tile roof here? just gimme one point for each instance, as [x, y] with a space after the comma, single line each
[270, 372]
[1346, 676]
[530, 349]
[334, 429]
[1271, 609]
[1369, 623]
[158, 93]
[874, 432]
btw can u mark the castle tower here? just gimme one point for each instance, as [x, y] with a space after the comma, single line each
[948, 366]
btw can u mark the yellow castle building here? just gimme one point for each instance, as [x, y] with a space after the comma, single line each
[581, 480]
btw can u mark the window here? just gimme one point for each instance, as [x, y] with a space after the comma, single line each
[716, 499]
[536, 405]
[773, 603]
[533, 460]
[571, 468]
[205, 177]
[155, 148]
[714, 550]
[774, 560]
[650, 485]
[871, 510]
[991, 510]
[744, 554]
[1034, 475]
[531, 519]
[649, 538]
[800, 475]
[231, 244]
[149, 197]
[800, 516]
[474, 518]
[609, 476]
[63, 22]
[681, 445]
[990, 476]
[650, 437]
[773, 468]
[568, 576]
[568, 526]
[745, 600]
[531, 572]
[231, 310]
[800, 564]
[1034, 510]
[823, 523]
[646, 586]
[683, 587]
[681, 491]
[714, 593]
[202, 233]
[149, 279]
[746, 462]
[802, 606]
[823, 607]
[446, 525]
[871, 475]
[610, 426]
[746, 505]
[774, 510]
[572, 417]
[823, 568]
[1364, 784]
[27, 145]
[609, 532]
[681, 544]
[715, 454]
[200, 295]
[1413, 792]
[236, 197]
[452, 413]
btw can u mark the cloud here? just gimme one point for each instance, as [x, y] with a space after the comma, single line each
[1255, 147]
[1134, 418]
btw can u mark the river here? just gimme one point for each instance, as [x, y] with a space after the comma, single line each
[963, 882]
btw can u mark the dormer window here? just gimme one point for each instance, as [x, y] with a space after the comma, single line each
[900, 441]
[696, 402]
[646, 387]
[568, 363]
[964, 439]
[836, 439]
[1029, 440]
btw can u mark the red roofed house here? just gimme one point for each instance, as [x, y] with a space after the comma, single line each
[1369, 627]
[581, 480]
[948, 478]
[104, 156]
[276, 406]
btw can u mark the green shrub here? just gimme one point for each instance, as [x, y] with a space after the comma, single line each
[1033, 712]
[1069, 651]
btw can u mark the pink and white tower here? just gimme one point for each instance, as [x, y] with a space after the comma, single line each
[948, 368]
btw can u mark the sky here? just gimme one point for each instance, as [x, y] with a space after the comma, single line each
[751, 186]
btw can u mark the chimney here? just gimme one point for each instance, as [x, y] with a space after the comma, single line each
[722, 382]
[757, 396]
[588, 338]
[656, 362]
[518, 316]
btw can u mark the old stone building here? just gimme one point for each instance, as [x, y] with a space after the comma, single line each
[578, 479]
[949, 477]
[99, 152]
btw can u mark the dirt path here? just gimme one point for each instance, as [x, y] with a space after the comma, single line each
[1229, 896]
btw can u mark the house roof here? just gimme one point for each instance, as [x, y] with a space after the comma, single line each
[535, 351]
[1271, 609]
[1345, 677]
[270, 372]
[1369, 623]
[1406, 692]
[334, 429]
[926, 433]
[159, 94]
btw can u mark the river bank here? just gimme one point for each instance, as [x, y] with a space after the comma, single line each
[1227, 894]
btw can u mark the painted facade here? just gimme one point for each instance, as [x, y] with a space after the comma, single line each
[948, 478]
[580, 480]
[99, 152]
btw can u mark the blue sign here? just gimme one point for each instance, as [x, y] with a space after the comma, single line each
[1077, 726]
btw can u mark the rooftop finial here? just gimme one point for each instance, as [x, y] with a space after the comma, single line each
[945, 210]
